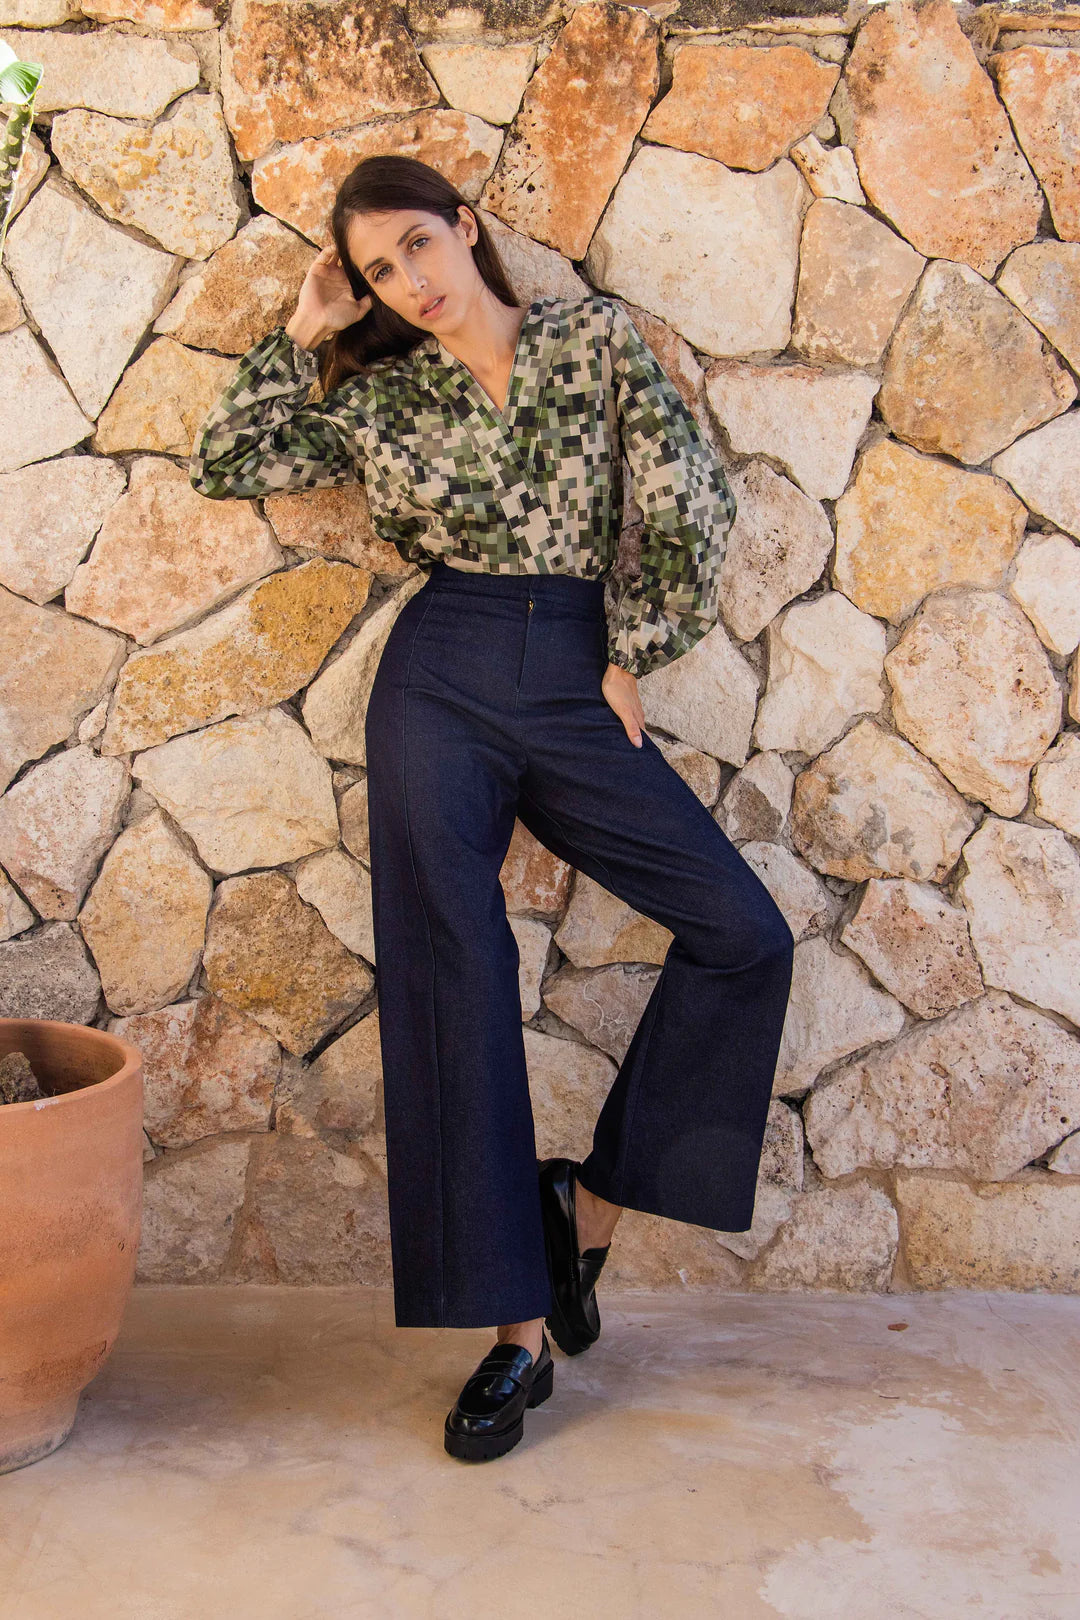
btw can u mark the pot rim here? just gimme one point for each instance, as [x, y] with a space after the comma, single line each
[131, 1060]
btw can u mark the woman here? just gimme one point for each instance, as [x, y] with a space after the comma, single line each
[489, 437]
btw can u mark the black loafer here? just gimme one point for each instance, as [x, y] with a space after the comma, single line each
[575, 1317]
[488, 1416]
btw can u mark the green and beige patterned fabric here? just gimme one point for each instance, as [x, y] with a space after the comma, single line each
[533, 489]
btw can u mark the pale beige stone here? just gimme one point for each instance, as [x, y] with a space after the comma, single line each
[55, 669]
[38, 13]
[776, 548]
[206, 1069]
[701, 773]
[1047, 586]
[11, 310]
[49, 515]
[48, 974]
[90, 729]
[48, 419]
[15, 914]
[165, 555]
[829, 171]
[1021, 887]
[190, 1207]
[248, 792]
[605, 1004]
[825, 667]
[974, 690]
[570, 141]
[742, 105]
[910, 524]
[334, 522]
[599, 928]
[340, 1094]
[57, 822]
[568, 1082]
[835, 1008]
[1043, 281]
[807, 905]
[780, 1177]
[935, 152]
[249, 285]
[535, 882]
[855, 275]
[535, 271]
[983, 1091]
[1041, 90]
[1056, 784]
[916, 944]
[533, 940]
[145, 917]
[1044, 469]
[807, 418]
[714, 251]
[757, 799]
[842, 1238]
[107, 70]
[260, 649]
[313, 1216]
[174, 179]
[1018, 1235]
[1066, 1158]
[872, 806]
[353, 817]
[707, 697]
[649, 1254]
[162, 400]
[287, 74]
[91, 287]
[966, 373]
[32, 171]
[487, 80]
[298, 183]
[772, 1207]
[273, 957]
[335, 708]
[340, 890]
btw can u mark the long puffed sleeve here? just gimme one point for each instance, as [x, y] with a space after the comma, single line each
[687, 504]
[262, 438]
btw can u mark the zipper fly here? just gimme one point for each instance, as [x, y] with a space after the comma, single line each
[530, 604]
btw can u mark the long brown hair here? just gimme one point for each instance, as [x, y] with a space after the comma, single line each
[378, 184]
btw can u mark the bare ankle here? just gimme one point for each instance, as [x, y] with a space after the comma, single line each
[596, 1218]
[529, 1334]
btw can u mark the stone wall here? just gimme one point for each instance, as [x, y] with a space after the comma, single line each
[854, 243]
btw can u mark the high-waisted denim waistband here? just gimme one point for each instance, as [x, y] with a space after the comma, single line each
[557, 589]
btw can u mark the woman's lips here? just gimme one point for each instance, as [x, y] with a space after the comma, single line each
[435, 307]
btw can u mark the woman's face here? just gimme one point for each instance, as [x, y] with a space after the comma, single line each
[409, 258]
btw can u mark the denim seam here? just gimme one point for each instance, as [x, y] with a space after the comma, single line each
[434, 960]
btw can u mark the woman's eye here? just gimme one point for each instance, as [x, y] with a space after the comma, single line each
[378, 274]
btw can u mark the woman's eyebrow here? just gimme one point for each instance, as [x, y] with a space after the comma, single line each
[400, 239]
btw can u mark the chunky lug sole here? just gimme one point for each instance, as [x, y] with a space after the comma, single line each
[484, 1447]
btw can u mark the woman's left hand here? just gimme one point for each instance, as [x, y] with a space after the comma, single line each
[621, 691]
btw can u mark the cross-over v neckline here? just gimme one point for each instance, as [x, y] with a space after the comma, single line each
[451, 360]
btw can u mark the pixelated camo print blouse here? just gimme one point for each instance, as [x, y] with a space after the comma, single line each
[534, 489]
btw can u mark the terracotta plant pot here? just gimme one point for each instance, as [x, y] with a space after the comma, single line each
[70, 1214]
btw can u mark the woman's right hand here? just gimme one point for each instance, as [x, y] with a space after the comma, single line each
[326, 303]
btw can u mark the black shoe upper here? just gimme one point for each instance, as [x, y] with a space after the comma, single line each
[575, 1316]
[495, 1395]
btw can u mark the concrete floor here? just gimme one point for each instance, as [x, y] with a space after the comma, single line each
[276, 1454]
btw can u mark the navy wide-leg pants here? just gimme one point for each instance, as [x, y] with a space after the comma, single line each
[486, 706]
